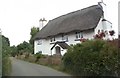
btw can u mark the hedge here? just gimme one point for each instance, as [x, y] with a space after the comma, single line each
[92, 58]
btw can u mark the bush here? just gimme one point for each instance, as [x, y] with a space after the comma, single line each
[92, 58]
[6, 67]
[6, 62]
[27, 55]
[38, 56]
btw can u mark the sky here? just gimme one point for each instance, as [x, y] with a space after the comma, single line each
[17, 17]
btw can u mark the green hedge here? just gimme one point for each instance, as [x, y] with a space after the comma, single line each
[6, 62]
[92, 58]
[6, 66]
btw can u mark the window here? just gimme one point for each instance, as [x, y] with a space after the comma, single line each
[79, 35]
[64, 37]
[39, 42]
[39, 52]
[52, 39]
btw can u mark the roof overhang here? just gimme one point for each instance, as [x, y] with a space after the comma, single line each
[61, 44]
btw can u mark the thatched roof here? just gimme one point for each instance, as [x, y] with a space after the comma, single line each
[80, 20]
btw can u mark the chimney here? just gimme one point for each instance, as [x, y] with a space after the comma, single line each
[42, 23]
[103, 6]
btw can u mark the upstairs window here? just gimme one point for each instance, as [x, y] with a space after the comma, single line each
[64, 37]
[79, 35]
[52, 39]
[39, 42]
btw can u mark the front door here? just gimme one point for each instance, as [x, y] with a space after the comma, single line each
[58, 51]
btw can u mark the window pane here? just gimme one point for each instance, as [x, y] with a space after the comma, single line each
[54, 38]
[39, 42]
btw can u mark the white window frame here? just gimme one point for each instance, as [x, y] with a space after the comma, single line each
[39, 42]
[52, 39]
[64, 37]
[79, 35]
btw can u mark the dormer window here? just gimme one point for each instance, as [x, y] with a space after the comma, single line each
[79, 35]
[39, 42]
[64, 37]
[52, 39]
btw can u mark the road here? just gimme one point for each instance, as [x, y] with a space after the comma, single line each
[22, 68]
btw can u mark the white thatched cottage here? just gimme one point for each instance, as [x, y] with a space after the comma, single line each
[59, 33]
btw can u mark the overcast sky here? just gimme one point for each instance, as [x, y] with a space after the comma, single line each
[18, 16]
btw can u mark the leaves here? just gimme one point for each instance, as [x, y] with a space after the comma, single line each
[93, 57]
[25, 47]
[34, 31]
[112, 32]
[6, 67]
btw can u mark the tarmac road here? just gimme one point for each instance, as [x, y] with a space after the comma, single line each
[23, 68]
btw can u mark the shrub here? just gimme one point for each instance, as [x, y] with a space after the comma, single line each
[27, 55]
[38, 56]
[6, 67]
[92, 58]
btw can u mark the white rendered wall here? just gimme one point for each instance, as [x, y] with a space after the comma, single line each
[104, 25]
[44, 47]
[88, 34]
[46, 44]
[108, 25]
[99, 26]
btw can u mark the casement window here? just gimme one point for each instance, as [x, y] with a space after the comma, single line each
[39, 42]
[64, 37]
[52, 39]
[79, 35]
[39, 52]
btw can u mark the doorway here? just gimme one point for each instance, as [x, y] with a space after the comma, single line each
[58, 50]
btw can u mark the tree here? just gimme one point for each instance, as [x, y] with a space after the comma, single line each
[13, 51]
[5, 40]
[5, 56]
[24, 47]
[34, 31]
[5, 45]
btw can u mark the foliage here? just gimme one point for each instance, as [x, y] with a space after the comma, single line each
[5, 46]
[27, 55]
[112, 32]
[102, 34]
[83, 39]
[13, 51]
[24, 47]
[34, 31]
[0, 55]
[6, 66]
[92, 58]
[6, 41]
[38, 56]
[6, 63]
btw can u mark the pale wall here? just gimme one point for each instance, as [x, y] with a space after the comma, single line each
[46, 46]
[88, 34]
